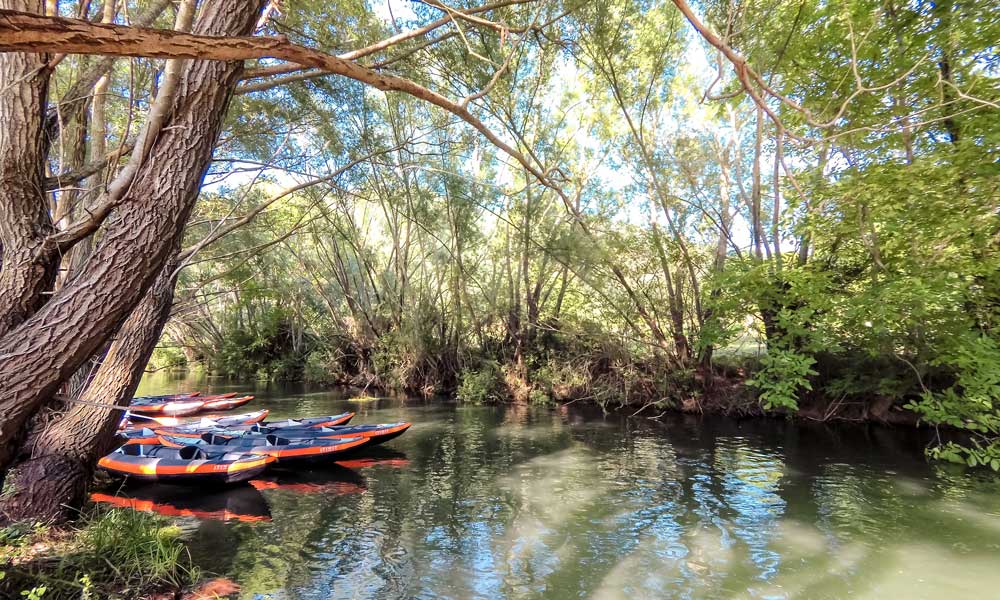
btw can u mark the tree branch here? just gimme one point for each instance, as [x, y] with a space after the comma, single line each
[23, 32]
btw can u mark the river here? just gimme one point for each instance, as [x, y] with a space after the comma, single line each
[516, 502]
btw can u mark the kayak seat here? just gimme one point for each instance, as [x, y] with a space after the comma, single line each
[147, 451]
[215, 439]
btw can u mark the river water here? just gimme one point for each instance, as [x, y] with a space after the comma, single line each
[489, 502]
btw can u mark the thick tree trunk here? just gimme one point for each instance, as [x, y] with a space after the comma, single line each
[50, 483]
[24, 219]
[47, 348]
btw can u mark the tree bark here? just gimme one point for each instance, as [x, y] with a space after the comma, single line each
[46, 349]
[50, 483]
[24, 219]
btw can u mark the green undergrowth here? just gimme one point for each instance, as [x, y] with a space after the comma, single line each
[114, 554]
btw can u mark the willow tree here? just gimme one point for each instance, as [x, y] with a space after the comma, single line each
[142, 212]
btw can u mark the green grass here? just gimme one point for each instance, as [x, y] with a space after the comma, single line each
[115, 553]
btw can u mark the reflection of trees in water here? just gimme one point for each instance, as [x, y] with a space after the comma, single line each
[502, 506]
[750, 479]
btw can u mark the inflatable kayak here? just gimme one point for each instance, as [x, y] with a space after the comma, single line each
[148, 434]
[164, 398]
[282, 449]
[169, 408]
[194, 430]
[226, 403]
[187, 464]
[376, 433]
[207, 421]
[158, 400]
[328, 421]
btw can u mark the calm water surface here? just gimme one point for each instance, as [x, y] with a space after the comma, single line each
[478, 502]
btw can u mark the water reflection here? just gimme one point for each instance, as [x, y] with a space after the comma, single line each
[240, 503]
[478, 502]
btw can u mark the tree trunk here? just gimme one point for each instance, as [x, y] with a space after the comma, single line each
[47, 348]
[50, 483]
[24, 219]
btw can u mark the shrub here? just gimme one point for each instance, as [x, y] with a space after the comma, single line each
[783, 374]
[482, 385]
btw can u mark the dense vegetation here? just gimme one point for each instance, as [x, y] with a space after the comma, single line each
[839, 257]
[737, 206]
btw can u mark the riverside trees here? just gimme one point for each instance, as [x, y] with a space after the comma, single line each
[140, 213]
[613, 219]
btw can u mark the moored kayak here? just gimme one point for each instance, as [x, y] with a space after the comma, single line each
[227, 403]
[378, 434]
[158, 400]
[196, 429]
[281, 448]
[208, 421]
[187, 464]
[170, 408]
[164, 397]
[327, 421]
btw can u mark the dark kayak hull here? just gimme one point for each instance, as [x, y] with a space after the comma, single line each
[195, 430]
[377, 434]
[282, 450]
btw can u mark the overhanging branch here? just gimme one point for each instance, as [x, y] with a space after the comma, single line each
[23, 32]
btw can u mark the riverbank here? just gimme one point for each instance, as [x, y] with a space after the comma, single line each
[115, 553]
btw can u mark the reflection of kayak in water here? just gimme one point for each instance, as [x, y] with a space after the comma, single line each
[332, 480]
[364, 463]
[377, 457]
[243, 503]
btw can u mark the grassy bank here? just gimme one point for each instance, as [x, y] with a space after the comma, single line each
[113, 554]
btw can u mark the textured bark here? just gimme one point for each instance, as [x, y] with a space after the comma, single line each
[51, 482]
[24, 220]
[46, 349]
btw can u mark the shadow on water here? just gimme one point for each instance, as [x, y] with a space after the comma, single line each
[486, 502]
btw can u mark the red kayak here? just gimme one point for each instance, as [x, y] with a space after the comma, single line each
[170, 408]
[181, 407]
[226, 403]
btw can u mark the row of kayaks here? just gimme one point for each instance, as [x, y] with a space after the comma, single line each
[237, 448]
[184, 405]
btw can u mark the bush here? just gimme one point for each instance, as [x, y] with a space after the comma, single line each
[972, 403]
[324, 367]
[483, 385]
[563, 380]
[783, 374]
